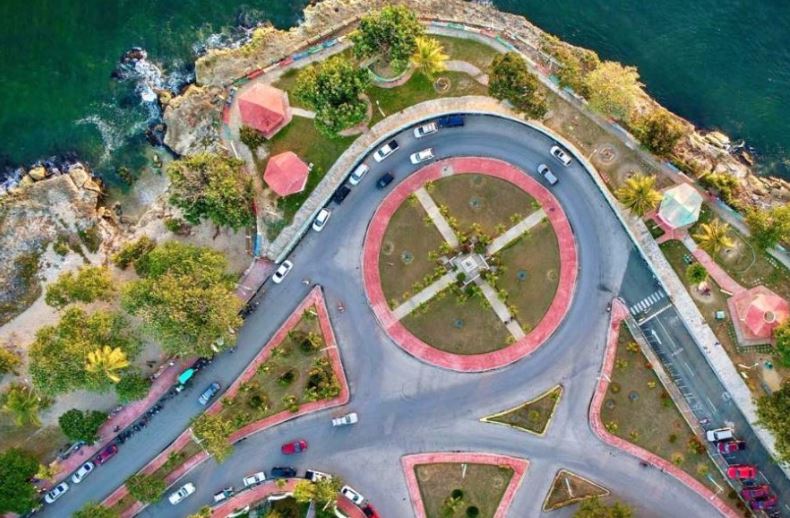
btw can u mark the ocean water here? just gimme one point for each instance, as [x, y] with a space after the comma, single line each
[722, 64]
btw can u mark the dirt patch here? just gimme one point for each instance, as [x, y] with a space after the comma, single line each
[449, 490]
[569, 488]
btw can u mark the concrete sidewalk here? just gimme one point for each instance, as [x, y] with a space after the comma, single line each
[515, 232]
[436, 216]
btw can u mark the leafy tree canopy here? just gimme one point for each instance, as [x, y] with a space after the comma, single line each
[770, 227]
[782, 335]
[9, 361]
[774, 413]
[575, 63]
[212, 430]
[17, 494]
[146, 488]
[511, 80]
[660, 131]
[78, 425]
[638, 193]
[96, 510]
[133, 251]
[613, 89]
[696, 273]
[86, 285]
[133, 386]
[23, 403]
[390, 33]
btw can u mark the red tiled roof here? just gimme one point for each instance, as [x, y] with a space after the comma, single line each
[264, 108]
[759, 311]
[286, 173]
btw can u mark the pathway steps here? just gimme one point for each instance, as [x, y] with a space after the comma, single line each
[436, 216]
[514, 232]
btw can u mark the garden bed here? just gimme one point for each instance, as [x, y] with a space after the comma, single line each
[533, 416]
[450, 490]
[569, 488]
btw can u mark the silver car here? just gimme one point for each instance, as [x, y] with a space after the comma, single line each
[282, 271]
[546, 173]
[560, 154]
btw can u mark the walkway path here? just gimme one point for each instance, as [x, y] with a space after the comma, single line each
[500, 309]
[436, 216]
[424, 296]
[301, 112]
[467, 68]
[514, 232]
[721, 277]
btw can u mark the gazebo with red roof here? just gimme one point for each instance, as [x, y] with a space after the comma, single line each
[756, 313]
[286, 173]
[264, 108]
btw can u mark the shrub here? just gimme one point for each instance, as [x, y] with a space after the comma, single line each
[291, 403]
[133, 386]
[61, 246]
[511, 80]
[82, 426]
[251, 137]
[177, 226]
[8, 361]
[133, 252]
[91, 238]
[672, 438]
[146, 488]
[614, 387]
[472, 511]
[286, 378]
[88, 284]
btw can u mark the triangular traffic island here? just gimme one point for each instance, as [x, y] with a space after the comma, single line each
[534, 416]
[459, 485]
[569, 488]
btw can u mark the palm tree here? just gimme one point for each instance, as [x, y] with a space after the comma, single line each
[23, 403]
[714, 236]
[429, 57]
[639, 194]
[107, 361]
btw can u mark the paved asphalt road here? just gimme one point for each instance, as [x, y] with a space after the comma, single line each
[406, 406]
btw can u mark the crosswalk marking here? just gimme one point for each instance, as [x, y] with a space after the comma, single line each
[647, 302]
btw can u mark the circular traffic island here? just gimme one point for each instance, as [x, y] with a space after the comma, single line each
[469, 264]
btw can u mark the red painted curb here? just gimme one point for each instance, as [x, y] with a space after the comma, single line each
[409, 462]
[619, 313]
[474, 362]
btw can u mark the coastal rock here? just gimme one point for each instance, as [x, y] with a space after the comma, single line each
[26, 181]
[37, 173]
[191, 120]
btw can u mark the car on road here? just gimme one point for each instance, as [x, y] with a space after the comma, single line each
[545, 172]
[727, 447]
[283, 472]
[370, 511]
[561, 155]
[429, 128]
[341, 194]
[421, 156]
[350, 418]
[178, 496]
[321, 218]
[742, 472]
[314, 475]
[358, 174]
[105, 455]
[84, 470]
[451, 121]
[386, 150]
[254, 479]
[209, 393]
[282, 271]
[750, 493]
[765, 502]
[223, 495]
[384, 180]
[292, 447]
[720, 434]
[352, 494]
[56, 492]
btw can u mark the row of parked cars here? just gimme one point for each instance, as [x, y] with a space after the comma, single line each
[82, 472]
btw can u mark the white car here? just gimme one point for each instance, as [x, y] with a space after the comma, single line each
[254, 479]
[720, 434]
[314, 476]
[85, 470]
[558, 153]
[426, 129]
[386, 150]
[350, 493]
[546, 173]
[358, 173]
[282, 271]
[223, 495]
[421, 156]
[181, 493]
[321, 218]
[56, 492]
[351, 418]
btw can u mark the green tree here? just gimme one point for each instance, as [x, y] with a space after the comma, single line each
[82, 426]
[185, 298]
[390, 33]
[213, 431]
[714, 236]
[23, 403]
[213, 186]
[726, 184]
[511, 80]
[429, 58]
[575, 63]
[659, 131]
[613, 89]
[9, 361]
[782, 336]
[107, 361]
[88, 284]
[203, 512]
[638, 193]
[769, 227]
[251, 137]
[96, 510]
[696, 273]
[774, 413]
[133, 386]
[594, 508]
[133, 251]
[146, 488]
[59, 353]
[333, 89]
[323, 492]
[17, 494]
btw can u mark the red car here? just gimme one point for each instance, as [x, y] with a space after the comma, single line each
[370, 511]
[292, 447]
[726, 447]
[755, 492]
[765, 502]
[105, 455]
[742, 471]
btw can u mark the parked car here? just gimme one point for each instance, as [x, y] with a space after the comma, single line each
[358, 173]
[223, 495]
[254, 479]
[282, 271]
[451, 121]
[750, 493]
[83, 471]
[352, 494]
[546, 173]
[742, 471]
[765, 502]
[292, 447]
[282, 472]
[321, 218]
[314, 475]
[178, 496]
[727, 447]
[720, 434]
[386, 150]
[209, 393]
[105, 455]
[421, 156]
[56, 492]
[428, 128]
[350, 418]
[370, 511]
[561, 155]
[341, 194]
[384, 180]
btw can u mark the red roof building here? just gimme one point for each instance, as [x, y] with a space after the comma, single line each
[756, 313]
[264, 108]
[286, 173]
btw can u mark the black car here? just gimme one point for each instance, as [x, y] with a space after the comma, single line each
[385, 180]
[451, 121]
[341, 194]
[282, 472]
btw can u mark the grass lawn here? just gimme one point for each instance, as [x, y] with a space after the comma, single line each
[537, 254]
[469, 327]
[533, 416]
[474, 52]
[403, 260]
[492, 203]
[41, 442]
[289, 508]
[569, 488]
[481, 486]
[638, 409]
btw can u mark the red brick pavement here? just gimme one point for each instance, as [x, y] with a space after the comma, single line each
[721, 277]
[409, 462]
[476, 362]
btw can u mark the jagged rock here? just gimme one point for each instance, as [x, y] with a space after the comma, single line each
[37, 173]
[26, 181]
[191, 120]
[82, 178]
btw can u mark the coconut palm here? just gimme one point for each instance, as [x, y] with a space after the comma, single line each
[107, 361]
[429, 57]
[696, 273]
[714, 236]
[23, 403]
[639, 194]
